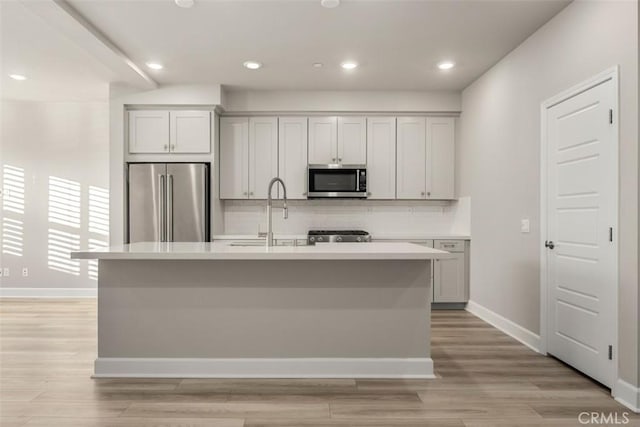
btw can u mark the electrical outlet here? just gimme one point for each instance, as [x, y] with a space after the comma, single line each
[6, 272]
[25, 272]
[524, 226]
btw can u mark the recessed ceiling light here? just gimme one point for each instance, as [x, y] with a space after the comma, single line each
[184, 3]
[252, 65]
[349, 65]
[446, 65]
[19, 77]
[155, 66]
[330, 4]
[318, 65]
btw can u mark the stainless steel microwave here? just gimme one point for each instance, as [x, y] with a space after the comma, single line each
[337, 181]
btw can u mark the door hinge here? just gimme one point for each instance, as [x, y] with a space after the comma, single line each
[610, 352]
[611, 234]
[611, 116]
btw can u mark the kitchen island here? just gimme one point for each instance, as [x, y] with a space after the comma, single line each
[240, 310]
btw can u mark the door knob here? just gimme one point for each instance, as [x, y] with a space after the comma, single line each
[549, 244]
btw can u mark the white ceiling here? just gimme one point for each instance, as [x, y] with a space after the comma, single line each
[397, 43]
[57, 69]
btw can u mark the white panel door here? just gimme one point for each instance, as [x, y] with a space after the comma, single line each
[323, 140]
[190, 131]
[292, 154]
[411, 158]
[352, 140]
[381, 157]
[234, 158]
[440, 157]
[263, 155]
[582, 206]
[148, 131]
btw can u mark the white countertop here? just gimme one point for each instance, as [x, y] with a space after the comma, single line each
[417, 236]
[225, 251]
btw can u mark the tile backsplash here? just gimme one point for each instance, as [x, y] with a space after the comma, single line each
[376, 217]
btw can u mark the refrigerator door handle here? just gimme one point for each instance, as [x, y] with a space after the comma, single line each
[170, 209]
[161, 207]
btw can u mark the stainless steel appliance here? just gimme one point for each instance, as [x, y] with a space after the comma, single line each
[323, 236]
[167, 202]
[337, 181]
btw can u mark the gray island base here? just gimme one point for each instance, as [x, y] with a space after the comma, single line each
[264, 313]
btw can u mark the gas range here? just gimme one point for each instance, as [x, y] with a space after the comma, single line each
[337, 236]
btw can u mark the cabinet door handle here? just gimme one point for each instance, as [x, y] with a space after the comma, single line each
[166, 147]
[422, 193]
[244, 193]
[251, 193]
[429, 193]
[339, 159]
[173, 147]
[333, 160]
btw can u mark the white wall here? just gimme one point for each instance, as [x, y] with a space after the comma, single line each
[339, 101]
[391, 219]
[58, 152]
[499, 164]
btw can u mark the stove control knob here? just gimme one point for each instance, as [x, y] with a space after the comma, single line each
[358, 239]
[312, 239]
[338, 239]
[320, 239]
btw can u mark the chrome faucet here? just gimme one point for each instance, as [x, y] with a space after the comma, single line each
[285, 211]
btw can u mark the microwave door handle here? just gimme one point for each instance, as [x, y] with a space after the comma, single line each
[357, 180]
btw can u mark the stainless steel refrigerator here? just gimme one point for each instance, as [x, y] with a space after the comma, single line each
[167, 202]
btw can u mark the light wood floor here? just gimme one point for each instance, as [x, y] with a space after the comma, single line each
[485, 379]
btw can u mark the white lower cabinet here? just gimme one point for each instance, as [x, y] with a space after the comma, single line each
[450, 279]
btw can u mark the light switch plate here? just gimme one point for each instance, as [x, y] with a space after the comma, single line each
[525, 226]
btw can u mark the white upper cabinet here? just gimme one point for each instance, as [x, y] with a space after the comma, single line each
[292, 147]
[411, 158]
[234, 158]
[148, 131]
[381, 157]
[323, 140]
[190, 131]
[159, 131]
[337, 140]
[263, 155]
[440, 157]
[352, 140]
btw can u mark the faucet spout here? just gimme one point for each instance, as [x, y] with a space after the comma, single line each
[285, 210]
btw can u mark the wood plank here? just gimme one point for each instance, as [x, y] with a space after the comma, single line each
[485, 378]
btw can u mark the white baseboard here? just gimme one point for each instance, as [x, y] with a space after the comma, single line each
[48, 292]
[510, 328]
[264, 368]
[627, 394]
